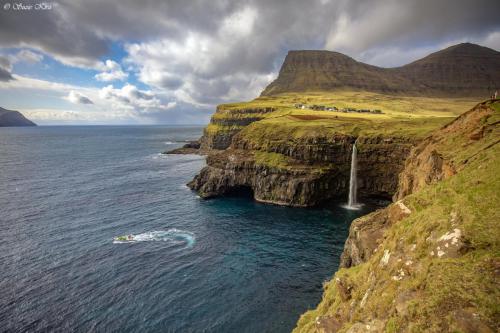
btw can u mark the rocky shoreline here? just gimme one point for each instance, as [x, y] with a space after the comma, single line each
[315, 171]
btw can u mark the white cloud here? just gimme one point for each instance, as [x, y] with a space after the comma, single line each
[44, 116]
[129, 97]
[492, 40]
[77, 98]
[112, 72]
[27, 56]
[114, 105]
[196, 69]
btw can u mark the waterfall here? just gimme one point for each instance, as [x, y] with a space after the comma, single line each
[353, 186]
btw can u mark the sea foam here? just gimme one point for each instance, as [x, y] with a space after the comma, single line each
[174, 236]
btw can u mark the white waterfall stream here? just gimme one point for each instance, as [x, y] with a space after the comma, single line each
[353, 183]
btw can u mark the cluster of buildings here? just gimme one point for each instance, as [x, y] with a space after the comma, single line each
[333, 108]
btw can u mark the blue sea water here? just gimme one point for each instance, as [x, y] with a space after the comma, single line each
[222, 265]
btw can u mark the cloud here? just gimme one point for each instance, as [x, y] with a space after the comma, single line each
[5, 69]
[129, 97]
[113, 72]
[198, 55]
[45, 116]
[5, 75]
[413, 24]
[27, 56]
[54, 32]
[79, 32]
[77, 98]
[198, 69]
[113, 105]
[7, 62]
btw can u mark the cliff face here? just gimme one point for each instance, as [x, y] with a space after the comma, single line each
[428, 164]
[429, 261]
[460, 70]
[226, 122]
[13, 118]
[304, 172]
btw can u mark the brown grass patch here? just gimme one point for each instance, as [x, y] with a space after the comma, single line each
[308, 117]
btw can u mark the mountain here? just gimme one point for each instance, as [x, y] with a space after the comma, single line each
[461, 70]
[13, 118]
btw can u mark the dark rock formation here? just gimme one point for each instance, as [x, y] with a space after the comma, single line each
[317, 170]
[219, 140]
[229, 122]
[192, 147]
[13, 118]
[366, 233]
[233, 170]
[460, 70]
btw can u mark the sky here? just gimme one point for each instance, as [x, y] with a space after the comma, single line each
[78, 62]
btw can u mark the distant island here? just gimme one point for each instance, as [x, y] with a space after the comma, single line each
[10, 118]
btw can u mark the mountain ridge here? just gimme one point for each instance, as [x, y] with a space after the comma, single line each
[460, 70]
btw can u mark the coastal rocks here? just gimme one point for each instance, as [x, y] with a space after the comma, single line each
[427, 167]
[366, 234]
[218, 140]
[316, 169]
[236, 171]
[192, 147]
[227, 122]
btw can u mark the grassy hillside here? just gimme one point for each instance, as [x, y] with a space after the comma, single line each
[437, 269]
[391, 105]
[402, 116]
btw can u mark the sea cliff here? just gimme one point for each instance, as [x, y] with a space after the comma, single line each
[305, 172]
[428, 262]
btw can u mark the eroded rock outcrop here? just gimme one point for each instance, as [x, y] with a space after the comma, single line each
[227, 122]
[429, 163]
[310, 170]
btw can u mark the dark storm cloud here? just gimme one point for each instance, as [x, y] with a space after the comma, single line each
[414, 23]
[5, 75]
[5, 68]
[79, 31]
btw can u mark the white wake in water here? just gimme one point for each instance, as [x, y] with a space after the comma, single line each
[174, 236]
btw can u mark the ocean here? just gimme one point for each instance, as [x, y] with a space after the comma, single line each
[220, 265]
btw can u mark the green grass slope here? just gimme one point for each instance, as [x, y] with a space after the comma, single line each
[438, 268]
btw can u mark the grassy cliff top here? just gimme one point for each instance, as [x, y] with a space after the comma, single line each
[295, 127]
[392, 106]
[401, 116]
